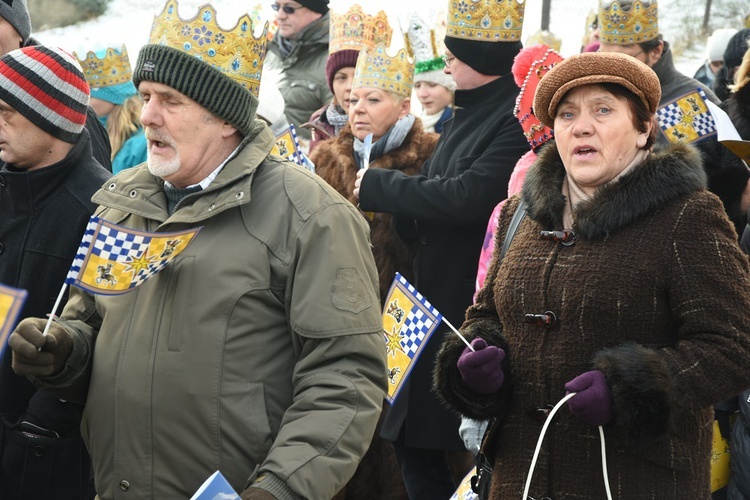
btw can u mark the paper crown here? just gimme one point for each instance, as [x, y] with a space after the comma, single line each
[531, 64]
[420, 43]
[486, 20]
[236, 52]
[109, 68]
[544, 37]
[375, 68]
[355, 30]
[628, 22]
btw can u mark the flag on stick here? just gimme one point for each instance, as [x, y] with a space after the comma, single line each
[113, 259]
[11, 302]
[408, 322]
[687, 118]
[287, 146]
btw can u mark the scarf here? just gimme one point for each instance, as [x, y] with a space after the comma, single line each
[429, 121]
[391, 140]
[337, 117]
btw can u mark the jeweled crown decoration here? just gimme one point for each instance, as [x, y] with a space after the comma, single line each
[628, 22]
[544, 37]
[420, 43]
[375, 68]
[112, 69]
[486, 20]
[236, 52]
[355, 30]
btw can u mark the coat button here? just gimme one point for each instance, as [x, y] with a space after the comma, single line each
[124, 485]
[38, 451]
[548, 319]
[567, 236]
[423, 240]
[2, 181]
[540, 414]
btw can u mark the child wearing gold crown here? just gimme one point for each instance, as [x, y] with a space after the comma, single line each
[117, 104]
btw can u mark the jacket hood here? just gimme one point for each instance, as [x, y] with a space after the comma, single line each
[663, 177]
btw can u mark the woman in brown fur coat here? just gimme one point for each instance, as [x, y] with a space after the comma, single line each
[398, 143]
[624, 285]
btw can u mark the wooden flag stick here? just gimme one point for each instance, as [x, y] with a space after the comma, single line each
[445, 320]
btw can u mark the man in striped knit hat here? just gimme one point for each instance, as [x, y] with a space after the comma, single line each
[47, 178]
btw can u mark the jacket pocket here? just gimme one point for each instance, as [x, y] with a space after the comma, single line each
[176, 309]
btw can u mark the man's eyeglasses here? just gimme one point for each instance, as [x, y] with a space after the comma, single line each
[288, 9]
[448, 60]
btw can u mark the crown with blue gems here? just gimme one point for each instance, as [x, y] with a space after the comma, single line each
[375, 68]
[355, 30]
[486, 20]
[625, 23]
[236, 52]
[107, 69]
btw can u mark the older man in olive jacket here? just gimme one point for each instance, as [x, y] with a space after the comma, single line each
[258, 351]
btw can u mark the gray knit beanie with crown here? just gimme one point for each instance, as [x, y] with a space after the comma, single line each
[206, 85]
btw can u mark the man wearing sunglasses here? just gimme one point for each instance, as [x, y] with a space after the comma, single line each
[299, 51]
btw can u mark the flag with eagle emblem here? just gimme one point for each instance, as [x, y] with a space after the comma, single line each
[408, 322]
[113, 259]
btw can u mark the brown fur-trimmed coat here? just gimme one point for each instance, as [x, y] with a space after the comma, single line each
[334, 162]
[654, 293]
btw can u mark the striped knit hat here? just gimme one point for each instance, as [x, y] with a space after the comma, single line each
[46, 85]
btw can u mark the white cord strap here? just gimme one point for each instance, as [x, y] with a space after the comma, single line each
[539, 447]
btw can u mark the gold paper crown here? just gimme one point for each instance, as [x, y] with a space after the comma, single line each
[236, 52]
[375, 68]
[486, 20]
[355, 30]
[109, 68]
[624, 26]
[545, 37]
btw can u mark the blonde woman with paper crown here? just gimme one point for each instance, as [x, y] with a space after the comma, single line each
[117, 104]
[398, 143]
[350, 33]
[432, 86]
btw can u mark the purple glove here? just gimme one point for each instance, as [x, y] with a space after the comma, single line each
[481, 368]
[592, 403]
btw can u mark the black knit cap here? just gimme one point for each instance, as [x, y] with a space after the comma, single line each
[488, 58]
[736, 48]
[320, 6]
[206, 85]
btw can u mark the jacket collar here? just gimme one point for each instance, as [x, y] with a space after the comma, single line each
[136, 191]
[664, 67]
[494, 91]
[663, 177]
[315, 33]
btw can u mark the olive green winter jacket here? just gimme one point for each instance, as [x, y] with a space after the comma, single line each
[257, 351]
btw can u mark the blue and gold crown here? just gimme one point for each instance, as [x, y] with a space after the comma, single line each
[375, 68]
[355, 30]
[486, 20]
[110, 68]
[236, 52]
[628, 22]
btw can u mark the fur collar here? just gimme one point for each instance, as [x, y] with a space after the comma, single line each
[663, 177]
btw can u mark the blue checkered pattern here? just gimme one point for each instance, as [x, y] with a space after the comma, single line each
[421, 320]
[112, 244]
[83, 250]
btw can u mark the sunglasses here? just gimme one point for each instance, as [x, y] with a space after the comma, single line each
[287, 9]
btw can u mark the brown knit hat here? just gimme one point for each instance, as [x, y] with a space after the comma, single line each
[595, 67]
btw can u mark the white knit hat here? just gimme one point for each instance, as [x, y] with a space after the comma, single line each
[717, 43]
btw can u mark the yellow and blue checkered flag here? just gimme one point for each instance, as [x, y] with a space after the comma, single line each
[11, 302]
[113, 259]
[408, 322]
[687, 118]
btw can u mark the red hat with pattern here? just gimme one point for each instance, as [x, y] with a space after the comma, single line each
[46, 85]
[529, 66]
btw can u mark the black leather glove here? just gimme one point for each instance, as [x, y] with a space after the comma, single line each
[37, 354]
